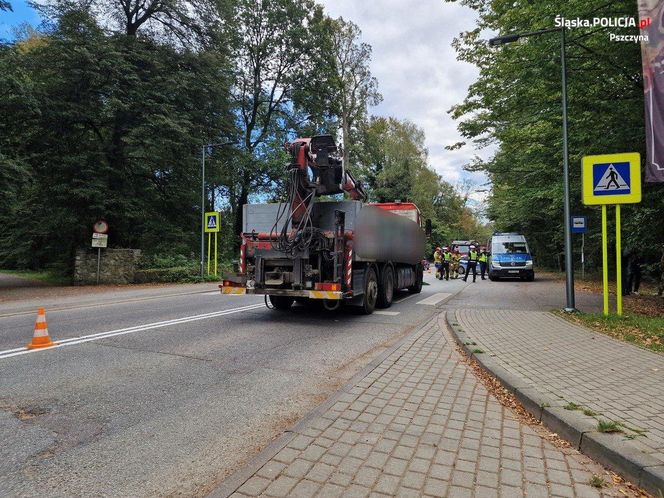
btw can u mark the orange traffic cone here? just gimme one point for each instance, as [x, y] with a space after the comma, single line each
[41, 339]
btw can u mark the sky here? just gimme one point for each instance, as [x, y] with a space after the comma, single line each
[417, 70]
[22, 13]
[416, 67]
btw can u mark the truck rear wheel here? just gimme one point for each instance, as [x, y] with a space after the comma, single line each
[281, 302]
[386, 288]
[370, 291]
[419, 278]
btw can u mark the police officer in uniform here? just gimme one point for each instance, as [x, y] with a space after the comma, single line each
[483, 259]
[473, 259]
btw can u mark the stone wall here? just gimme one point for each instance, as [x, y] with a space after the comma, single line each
[117, 266]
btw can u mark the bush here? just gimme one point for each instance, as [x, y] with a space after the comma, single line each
[171, 268]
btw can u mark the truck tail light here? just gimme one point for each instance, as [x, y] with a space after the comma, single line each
[228, 283]
[327, 286]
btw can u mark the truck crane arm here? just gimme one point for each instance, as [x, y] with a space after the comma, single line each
[316, 169]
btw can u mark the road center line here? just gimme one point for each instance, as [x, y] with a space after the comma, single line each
[128, 330]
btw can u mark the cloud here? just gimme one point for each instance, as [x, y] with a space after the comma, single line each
[417, 70]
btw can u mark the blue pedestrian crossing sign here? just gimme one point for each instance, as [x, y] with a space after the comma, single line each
[612, 179]
[211, 222]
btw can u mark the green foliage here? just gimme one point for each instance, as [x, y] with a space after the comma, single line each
[392, 161]
[168, 267]
[104, 114]
[515, 105]
[106, 126]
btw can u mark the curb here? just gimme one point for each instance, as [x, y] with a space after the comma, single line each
[617, 454]
[231, 484]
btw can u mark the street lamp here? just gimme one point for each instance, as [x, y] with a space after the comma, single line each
[204, 149]
[569, 263]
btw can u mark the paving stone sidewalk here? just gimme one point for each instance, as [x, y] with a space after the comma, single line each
[618, 381]
[422, 424]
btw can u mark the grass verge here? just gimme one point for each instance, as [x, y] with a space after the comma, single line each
[644, 331]
[46, 276]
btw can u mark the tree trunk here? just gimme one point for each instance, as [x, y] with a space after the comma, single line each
[237, 225]
[345, 133]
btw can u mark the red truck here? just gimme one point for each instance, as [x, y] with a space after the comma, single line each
[337, 251]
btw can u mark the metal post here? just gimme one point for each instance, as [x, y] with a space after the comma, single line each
[605, 262]
[583, 257]
[202, 208]
[209, 251]
[98, 263]
[618, 264]
[569, 262]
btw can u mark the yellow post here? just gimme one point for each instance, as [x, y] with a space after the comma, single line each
[215, 253]
[618, 264]
[605, 262]
[209, 241]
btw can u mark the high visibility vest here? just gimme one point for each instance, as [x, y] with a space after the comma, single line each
[472, 256]
[483, 258]
[437, 257]
[447, 256]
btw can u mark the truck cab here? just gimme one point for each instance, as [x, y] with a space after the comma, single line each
[510, 257]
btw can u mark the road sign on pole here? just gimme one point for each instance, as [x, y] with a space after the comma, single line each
[211, 222]
[579, 224]
[212, 226]
[101, 226]
[611, 179]
[99, 240]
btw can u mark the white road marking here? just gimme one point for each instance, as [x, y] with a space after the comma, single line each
[404, 298]
[213, 293]
[388, 313]
[434, 299]
[129, 330]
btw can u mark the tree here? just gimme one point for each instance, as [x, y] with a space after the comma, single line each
[273, 55]
[393, 163]
[515, 106]
[352, 86]
[187, 23]
[5, 5]
[106, 126]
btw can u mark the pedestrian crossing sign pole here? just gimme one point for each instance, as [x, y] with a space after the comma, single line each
[611, 179]
[211, 224]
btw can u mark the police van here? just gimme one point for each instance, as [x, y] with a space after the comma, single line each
[510, 257]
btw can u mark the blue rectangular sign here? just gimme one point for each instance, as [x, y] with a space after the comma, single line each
[579, 224]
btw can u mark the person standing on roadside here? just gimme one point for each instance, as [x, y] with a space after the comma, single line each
[447, 260]
[454, 264]
[634, 273]
[660, 289]
[625, 263]
[483, 259]
[438, 262]
[473, 258]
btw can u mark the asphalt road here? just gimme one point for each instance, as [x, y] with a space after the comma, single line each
[167, 391]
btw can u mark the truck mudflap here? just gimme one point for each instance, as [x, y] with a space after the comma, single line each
[311, 294]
